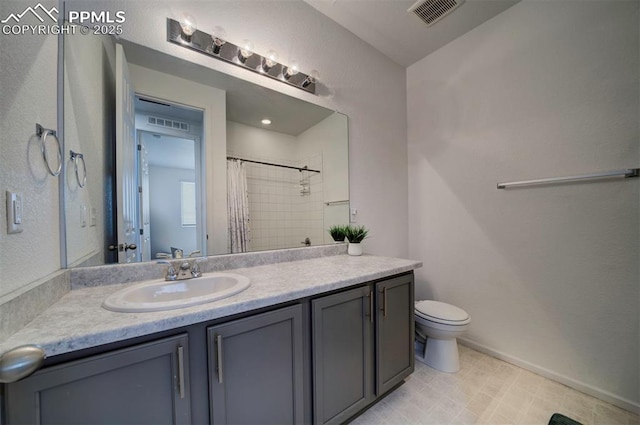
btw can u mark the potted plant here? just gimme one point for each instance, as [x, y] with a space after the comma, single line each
[355, 235]
[338, 233]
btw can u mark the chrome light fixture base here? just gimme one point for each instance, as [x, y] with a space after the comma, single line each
[228, 52]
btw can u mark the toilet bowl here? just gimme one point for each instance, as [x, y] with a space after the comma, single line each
[439, 324]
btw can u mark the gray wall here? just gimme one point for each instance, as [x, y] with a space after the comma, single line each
[164, 201]
[548, 274]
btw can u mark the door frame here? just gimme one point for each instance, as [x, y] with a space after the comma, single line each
[200, 151]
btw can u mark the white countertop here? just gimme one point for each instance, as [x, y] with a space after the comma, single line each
[78, 320]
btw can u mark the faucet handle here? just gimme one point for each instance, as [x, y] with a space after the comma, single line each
[195, 269]
[171, 271]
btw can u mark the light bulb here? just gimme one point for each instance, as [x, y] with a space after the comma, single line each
[292, 70]
[246, 50]
[271, 58]
[218, 37]
[188, 25]
[269, 61]
[266, 121]
[313, 77]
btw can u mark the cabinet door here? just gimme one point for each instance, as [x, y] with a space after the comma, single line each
[342, 354]
[145, 384]
[255, 369]
[395, 332]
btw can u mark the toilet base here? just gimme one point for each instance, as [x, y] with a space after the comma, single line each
[440, 354]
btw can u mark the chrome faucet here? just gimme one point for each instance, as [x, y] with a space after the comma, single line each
[195, 269]
[171, 271]
[184, 271]
[188, 269]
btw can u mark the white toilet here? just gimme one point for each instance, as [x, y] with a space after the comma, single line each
[439, 324]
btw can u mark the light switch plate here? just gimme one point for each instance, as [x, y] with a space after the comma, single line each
[83, 216]
[353, 215]
[14, 212]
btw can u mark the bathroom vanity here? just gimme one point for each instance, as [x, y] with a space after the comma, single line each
[311, 341]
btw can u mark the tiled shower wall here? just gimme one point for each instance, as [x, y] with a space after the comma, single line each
[281, 215]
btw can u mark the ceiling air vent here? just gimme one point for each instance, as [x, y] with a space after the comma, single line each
[431, 11]
[166, 123]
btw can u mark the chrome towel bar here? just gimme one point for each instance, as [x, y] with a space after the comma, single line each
[629, 172]
[43, 133]
[77, 159]
[330, 203]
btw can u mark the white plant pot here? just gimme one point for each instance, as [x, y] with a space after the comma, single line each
[354, 249]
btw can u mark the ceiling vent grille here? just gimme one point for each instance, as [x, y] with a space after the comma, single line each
[431, 11]
[166, 123]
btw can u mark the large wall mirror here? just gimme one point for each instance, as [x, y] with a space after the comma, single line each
[171, 158]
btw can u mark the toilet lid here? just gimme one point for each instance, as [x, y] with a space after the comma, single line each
[441, 312]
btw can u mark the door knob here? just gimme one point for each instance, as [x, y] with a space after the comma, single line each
[122, 247]
[20, 362]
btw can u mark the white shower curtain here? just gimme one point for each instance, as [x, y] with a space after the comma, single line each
[238, 205]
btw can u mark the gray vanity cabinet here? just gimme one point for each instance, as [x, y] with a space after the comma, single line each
[395, 328]
[256, 369]
[362, 346]
[144, 384]
[342, 354]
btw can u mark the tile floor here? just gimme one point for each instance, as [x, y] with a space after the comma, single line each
[488, 391]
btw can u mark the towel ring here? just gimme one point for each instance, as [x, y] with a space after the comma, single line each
[77, 158]
[43, 133]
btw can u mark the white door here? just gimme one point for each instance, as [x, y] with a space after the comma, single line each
[127, 182]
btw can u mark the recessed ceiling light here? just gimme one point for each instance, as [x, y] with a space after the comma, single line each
[266, 121]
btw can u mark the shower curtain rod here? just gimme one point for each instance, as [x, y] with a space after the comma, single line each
[274, 165]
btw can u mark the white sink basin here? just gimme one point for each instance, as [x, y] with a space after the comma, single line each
[156, 295]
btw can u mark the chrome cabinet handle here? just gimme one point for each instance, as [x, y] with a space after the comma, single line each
[370, 306]
[181, 370]
[20, 362]
[384, 301]
[219, 346]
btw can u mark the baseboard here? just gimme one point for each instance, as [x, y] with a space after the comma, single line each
[623, 403]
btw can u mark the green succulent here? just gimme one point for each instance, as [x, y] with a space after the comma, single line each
[338, 233]
[356, 234]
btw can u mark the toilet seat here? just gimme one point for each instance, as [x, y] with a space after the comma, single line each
[443, 313]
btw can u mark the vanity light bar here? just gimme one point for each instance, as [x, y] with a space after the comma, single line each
[203, 43]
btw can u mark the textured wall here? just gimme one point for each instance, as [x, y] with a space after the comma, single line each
[549, 274]
[28, 84]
